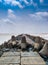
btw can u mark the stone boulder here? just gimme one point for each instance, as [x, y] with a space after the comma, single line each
[44, 50]
[13, 38]
[23, 40]
[23, 43]
[37, 47]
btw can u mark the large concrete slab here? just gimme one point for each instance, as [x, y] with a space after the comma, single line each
[32, 61]
[11, 54]
[21, 58]
[3, 64]
[47, 62]
[14, 64]
[15, 59]
[26, 54]
[31, 58]
[8, 64]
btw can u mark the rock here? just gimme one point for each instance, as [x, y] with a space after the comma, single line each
[39, 43]
[1, 52]
[6, 44]
[44, 50]
[12, 43]
[23, 40]
[13, 38]
[23, 43]
[38, 39]
[37, 47]
[23, 46]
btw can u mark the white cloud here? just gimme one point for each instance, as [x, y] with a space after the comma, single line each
[6, 22]
[8, 1]
[10, 11]
[32, 3]
[41, 1]
[9, 20]
[13, 17]
[26, 1]
[40, 14]
[35, 17]
[0, 0]
[24, 24]
[40, 21]
[17, 3]
[39, 17]
[11, 14]
[14, 3]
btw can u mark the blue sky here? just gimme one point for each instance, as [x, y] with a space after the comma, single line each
[23, 16]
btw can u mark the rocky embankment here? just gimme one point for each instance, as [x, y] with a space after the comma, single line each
[25, 42]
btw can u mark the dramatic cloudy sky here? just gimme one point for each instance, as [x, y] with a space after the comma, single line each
[23, 16]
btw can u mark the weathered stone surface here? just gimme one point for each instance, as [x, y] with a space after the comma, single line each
[32, 61]
[31, 58]
[7, 60]
[8, 54]
[22, 58]
[37, 46]
[9, 64]
[44, 50]
[23, 40]
[29, 54]
[13, 38]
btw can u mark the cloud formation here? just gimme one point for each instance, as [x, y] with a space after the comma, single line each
[33, 23]
[41, 1]
[33, 3]
[14, 3]
[19, 3]
[11, 17]
[39, 14]
[26, 1]
[0, 0]
[42, 13]
[11, 14]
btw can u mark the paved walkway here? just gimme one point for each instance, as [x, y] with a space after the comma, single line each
[21, 58]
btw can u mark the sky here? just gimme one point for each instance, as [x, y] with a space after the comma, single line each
[23, 16]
